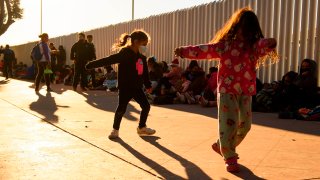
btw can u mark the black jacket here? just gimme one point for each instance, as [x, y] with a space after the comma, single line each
[128, 77]
[9, 55]
[81, 52]
[92, 52]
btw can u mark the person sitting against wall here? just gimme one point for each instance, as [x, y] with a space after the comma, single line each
[209, 95]
[183, 89]
[286, 98]
[307, 84]
[198, 82]
[155, 71]
[169, 79]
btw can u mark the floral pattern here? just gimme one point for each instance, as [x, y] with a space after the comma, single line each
[236, 73]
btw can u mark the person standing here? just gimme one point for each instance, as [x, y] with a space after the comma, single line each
[44, 62]
[240, 47]
[8, 59]
[80, 54]
[132, 75]
[61, 58]
[92, 57]
[54, 54]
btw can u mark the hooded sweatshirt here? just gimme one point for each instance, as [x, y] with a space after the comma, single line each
[132, 69]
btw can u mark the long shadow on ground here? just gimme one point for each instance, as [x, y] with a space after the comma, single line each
[192, 170]
[108, 102]
[262, 119]
[46, 106]
[149, 162]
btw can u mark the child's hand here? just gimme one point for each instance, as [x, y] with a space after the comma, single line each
[178, 51]
[272, 43]
[149, 90]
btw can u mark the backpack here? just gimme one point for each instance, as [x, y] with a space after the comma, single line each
[36, 53]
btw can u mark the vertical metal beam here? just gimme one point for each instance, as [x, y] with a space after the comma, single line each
[132, 9]
[40, 16]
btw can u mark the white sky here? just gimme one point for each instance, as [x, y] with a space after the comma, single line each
[61, 17]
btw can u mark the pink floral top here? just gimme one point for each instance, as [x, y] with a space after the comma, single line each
[237, 74]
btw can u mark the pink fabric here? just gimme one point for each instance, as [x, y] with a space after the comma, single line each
[213, 81]
[174, 75]
[139, 66]
[237, 65]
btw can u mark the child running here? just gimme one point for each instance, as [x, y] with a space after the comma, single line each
[132, 75]
[241, 48]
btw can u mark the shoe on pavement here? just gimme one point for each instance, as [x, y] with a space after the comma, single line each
[232, 165]
[145, 131]
[216, 148]
[114, 134]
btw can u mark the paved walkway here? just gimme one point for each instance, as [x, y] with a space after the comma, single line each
[63, 135]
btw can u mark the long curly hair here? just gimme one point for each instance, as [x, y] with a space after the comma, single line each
[246, 20]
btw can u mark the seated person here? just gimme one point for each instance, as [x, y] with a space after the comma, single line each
[209, 96]
[183, 89]
[155, 72]
[198, 82]
[307, 84]
[110, 81]
[68, 75]
[169, 79]
[286, 98]
[264, 98]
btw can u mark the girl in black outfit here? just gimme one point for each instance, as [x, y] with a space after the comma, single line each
[132, 75]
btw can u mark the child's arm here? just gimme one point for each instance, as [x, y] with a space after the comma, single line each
[266, 45]
[113, 59]
[203, 51]
[146, 79]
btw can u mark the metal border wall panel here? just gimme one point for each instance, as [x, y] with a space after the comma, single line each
[294, 23]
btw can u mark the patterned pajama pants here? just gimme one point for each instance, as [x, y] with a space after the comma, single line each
[235, 117]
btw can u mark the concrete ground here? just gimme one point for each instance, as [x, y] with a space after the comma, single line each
[63, 134]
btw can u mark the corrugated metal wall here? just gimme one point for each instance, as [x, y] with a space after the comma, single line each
[295, 23]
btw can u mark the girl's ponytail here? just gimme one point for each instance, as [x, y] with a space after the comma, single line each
[135, 35]
[123, 40]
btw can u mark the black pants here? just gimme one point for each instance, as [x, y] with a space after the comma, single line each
[80, 73]
[41, 66]
[164, 81]
[124, 97]
[7, 69]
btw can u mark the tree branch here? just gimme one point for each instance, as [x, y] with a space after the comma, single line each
[1, 13]
[9, 11]
[4, 26]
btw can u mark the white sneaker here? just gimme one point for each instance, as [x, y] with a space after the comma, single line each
[114, 134]
[145, 131]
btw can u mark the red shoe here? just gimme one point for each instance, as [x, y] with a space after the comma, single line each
[232, 165]
[216, 148]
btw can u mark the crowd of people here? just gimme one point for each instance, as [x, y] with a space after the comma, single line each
[171, 84]
[240, 48]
